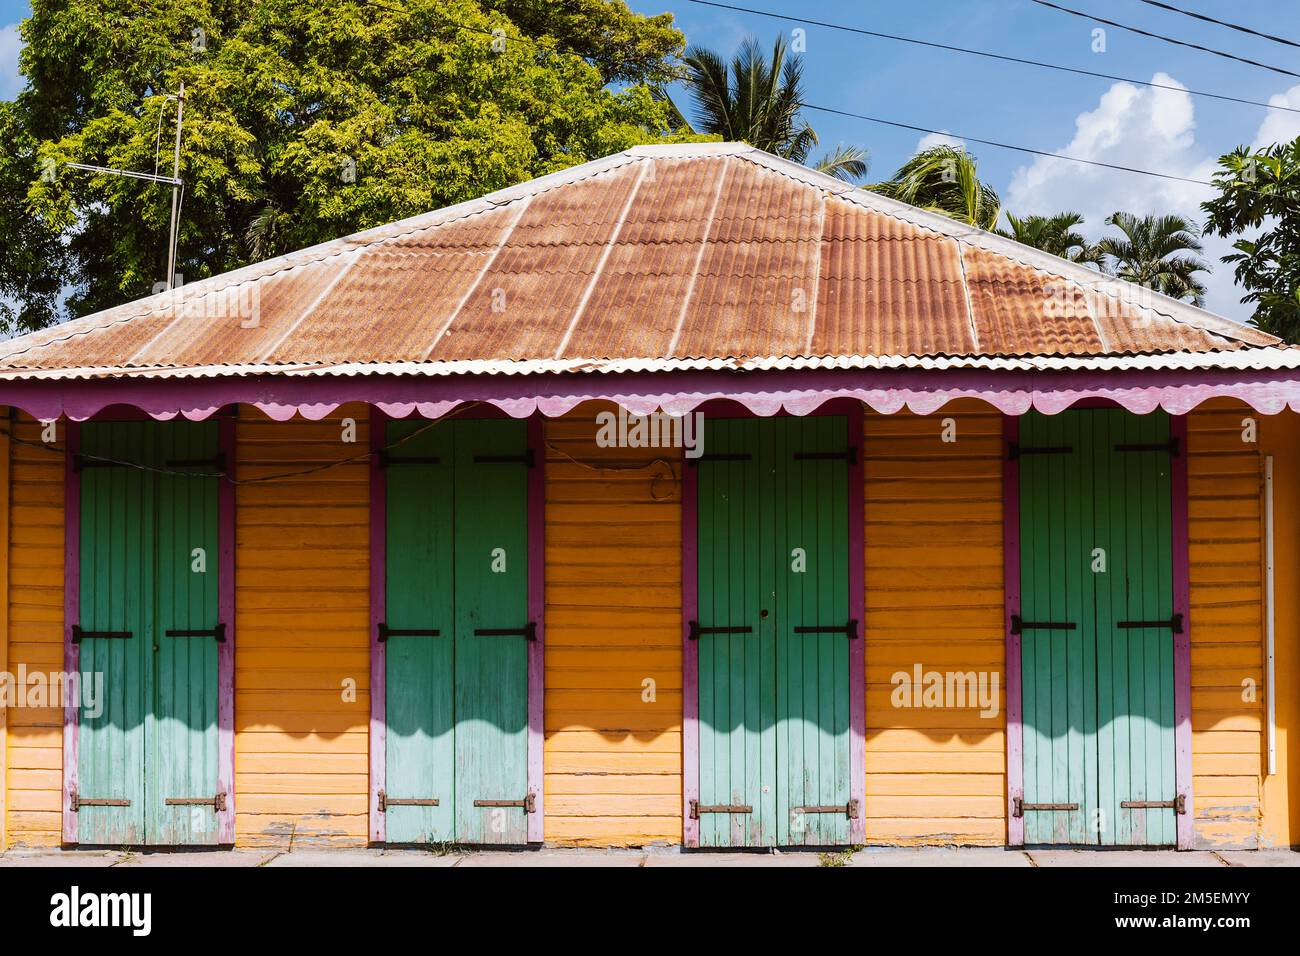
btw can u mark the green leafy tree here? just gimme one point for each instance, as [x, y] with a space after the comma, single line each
[302, 123]
[1157, 252]
[1260, 191]
[1057, 234]
[945, 179]
[759, 100]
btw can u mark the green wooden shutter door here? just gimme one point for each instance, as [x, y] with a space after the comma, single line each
[491, 594]
[420, 738]
[457, 708]
[773, 704]
[1097, 700]
[156, 737]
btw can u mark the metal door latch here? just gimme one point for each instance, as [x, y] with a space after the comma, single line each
[1178, 804]
[849, 809]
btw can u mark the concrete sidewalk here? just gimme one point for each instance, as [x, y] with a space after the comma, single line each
[656, 857]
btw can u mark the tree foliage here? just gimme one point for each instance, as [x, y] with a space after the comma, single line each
[759, 100]
[945, 179]
[302, 123]
[1057, 234]
[1259, 192]
[1157, 252]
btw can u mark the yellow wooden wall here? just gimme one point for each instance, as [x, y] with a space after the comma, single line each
[303, 623]
[34, 753]
[613, 620]
[1224, 531]
[934, 597]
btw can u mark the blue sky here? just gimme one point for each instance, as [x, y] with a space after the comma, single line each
[1168, 131]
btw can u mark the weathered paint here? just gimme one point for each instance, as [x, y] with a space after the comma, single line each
[378, 519]
[1011, 601]
[934, 597]
[613, 660]
[226, 528]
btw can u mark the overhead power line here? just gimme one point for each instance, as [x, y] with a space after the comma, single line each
[992, 56]
[1021, 149]
[1162, 37]
[870, 119]
[1223, 23]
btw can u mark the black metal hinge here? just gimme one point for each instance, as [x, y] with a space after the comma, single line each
[528, 458]
[528, 804]
[697, 808]
[218, 632]
[1015, 450]
[1178, 804]
[385, 801]
[695, 630]
[76, 801]
[848, 455]
[217, 463]
[78, 635]
[1174, 623]
[217, 802]
[385, 632]
[720, 456]
[529, 631]
[849, 809]
[1018, 806]
[849, 630]
[1018, 625]
[386, 459]
[1170, 447]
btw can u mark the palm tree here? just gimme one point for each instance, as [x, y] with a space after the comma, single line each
[1153, 252]
[1055, 234]
[944, 179]
[759, 101]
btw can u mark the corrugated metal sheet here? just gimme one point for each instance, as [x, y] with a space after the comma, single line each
[659, 254]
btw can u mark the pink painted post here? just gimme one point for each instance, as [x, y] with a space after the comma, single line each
[857, 648]
[226, 605]
[537, 614]
[378, 601]
[1011, 589]
[690, 656]
[71, 616]
[1183, 641]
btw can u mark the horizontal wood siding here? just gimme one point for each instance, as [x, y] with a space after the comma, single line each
[934, 598]
[302, 612]
[613, 606]
[34, 753]
[1224, 531]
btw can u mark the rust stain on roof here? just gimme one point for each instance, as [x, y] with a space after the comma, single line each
[684, 252]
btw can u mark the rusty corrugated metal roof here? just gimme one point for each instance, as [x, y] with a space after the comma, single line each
[658, 254]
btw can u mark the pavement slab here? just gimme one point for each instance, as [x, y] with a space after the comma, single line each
[1129, 859]
[925, 856]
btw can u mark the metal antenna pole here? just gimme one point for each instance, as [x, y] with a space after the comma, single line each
[176, 175]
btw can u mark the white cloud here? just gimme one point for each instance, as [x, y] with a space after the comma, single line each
[10, 45]
[1145, 128]
[1280, 127]
[931, 140]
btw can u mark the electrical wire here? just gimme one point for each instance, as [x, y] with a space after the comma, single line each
[992, 56]
[280, 476]
[1162, 37]
[1223, 23]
